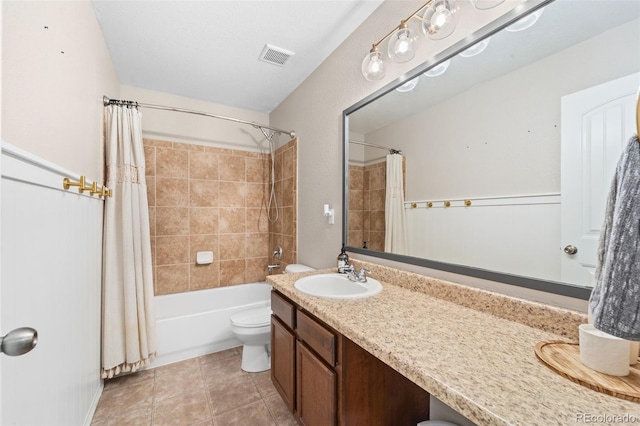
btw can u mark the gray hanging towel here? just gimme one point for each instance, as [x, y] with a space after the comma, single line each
[615, 300]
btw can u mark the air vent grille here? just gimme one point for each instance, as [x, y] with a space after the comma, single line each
[275, 55]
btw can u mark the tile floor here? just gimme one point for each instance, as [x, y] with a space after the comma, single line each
[210, 390]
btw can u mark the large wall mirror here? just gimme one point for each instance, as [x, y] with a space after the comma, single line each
[508, 147]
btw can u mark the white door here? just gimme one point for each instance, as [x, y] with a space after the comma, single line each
[596, 125]
[51, 268]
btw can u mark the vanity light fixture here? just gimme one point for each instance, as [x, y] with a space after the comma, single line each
[476, 49]
[526, 22]
[408, 86]
[438, 21]
[438, 69]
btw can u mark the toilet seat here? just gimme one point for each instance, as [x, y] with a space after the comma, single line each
[255, 317]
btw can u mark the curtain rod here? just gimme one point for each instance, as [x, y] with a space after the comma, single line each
[106, 102]
[391, 150]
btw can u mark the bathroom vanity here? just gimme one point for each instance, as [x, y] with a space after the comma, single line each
[469, 348]
[326, 379]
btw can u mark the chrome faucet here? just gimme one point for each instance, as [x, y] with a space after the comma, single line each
[270, 268]
[359, 278]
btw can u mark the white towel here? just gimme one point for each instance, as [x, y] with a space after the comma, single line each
[615, 300]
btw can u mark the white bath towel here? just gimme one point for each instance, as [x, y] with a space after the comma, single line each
[615, 300]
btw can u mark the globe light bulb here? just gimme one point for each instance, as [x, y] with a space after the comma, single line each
[373, 65]
[439, 19]
[401, 44]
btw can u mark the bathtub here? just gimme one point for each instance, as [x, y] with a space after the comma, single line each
[198, 322]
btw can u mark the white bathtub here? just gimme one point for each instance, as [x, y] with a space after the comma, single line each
[198, 322]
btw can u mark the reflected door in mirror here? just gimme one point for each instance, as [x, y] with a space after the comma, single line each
[596, 124]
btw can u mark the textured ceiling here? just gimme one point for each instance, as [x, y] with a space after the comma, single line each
[208, 50]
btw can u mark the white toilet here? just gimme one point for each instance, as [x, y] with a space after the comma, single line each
[253, 328]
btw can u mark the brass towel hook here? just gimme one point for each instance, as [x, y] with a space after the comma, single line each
[66, 184]
[94, 189]
[105, 192]
[82, 186]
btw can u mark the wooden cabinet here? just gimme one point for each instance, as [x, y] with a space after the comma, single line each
[326, 379]
[316, 390]
[283, 374]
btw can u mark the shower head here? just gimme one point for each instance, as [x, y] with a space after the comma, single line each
[266, 134]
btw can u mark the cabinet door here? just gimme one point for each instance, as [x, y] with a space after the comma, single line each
[283, 345]
[316, 389]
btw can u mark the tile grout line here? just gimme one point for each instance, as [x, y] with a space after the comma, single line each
[153, 398]
[207, 394]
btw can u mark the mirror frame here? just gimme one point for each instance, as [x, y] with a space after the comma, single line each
[495, 26]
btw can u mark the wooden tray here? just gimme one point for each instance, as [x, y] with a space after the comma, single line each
[564, 359]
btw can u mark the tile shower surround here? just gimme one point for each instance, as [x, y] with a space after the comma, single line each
[283, 232]
[204, 198]
[366, 205]
[367, 199]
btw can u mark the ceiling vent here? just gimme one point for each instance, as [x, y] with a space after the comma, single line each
[275, 55]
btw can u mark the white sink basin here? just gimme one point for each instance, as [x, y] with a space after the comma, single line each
[337, 286]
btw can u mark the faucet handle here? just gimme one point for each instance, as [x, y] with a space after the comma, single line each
[363, 274]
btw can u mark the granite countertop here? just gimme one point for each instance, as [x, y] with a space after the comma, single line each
[481, 365]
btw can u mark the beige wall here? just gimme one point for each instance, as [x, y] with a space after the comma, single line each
[53, 81]
[189, 128]
[315, 109]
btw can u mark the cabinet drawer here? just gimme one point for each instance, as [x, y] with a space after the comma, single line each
[317, 337]
[283, 309]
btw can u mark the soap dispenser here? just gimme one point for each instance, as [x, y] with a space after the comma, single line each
[343, 261]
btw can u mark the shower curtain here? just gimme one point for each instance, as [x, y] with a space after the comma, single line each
[128, 317]
[395, 230]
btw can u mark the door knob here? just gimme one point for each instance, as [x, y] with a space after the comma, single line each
[19, 341]
[571, 249]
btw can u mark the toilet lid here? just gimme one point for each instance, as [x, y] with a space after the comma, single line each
[297, 267]
[254, 317]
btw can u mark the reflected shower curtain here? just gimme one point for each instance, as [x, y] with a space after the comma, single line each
[128, 317]
[395, 230]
